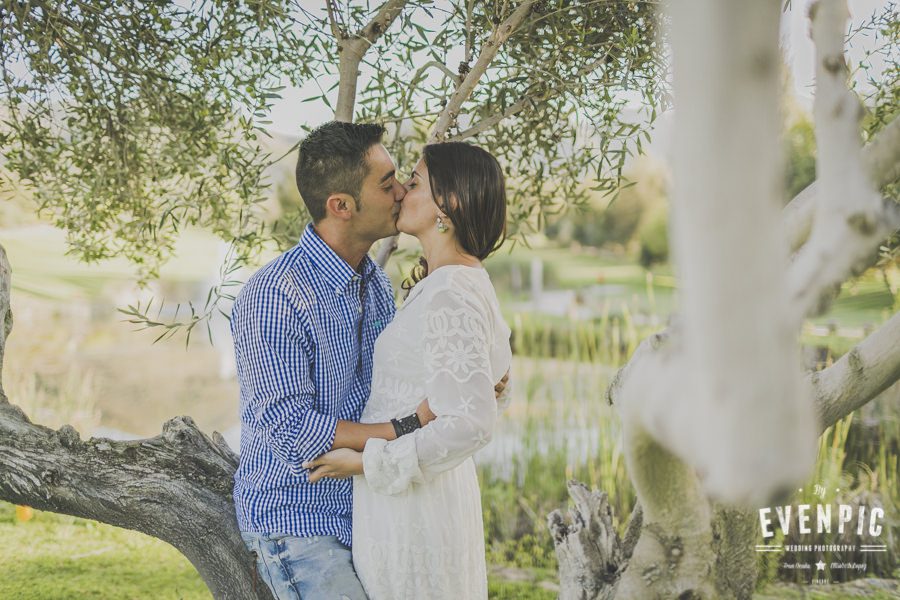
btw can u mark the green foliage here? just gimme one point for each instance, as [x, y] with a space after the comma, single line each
[884, 99]
[800, 148]
[131, 121]
[881, 67]
[563, 70]
[654, 240]
[622, 217]
[292, 214]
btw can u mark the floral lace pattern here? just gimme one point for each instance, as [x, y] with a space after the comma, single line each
[448, 343]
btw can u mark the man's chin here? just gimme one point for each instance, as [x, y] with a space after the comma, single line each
[391, 231]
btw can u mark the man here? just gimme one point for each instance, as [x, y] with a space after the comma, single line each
[304, 329]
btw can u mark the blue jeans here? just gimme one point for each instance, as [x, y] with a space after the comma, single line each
[311, 568]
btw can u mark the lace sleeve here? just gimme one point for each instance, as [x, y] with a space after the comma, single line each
[460, 390]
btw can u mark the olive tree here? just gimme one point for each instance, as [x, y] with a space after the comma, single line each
[129, 122]
[540, 84]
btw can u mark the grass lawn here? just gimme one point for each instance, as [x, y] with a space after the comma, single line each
[56, 557]
[41, 268]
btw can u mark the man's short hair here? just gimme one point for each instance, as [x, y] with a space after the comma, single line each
[333, 161]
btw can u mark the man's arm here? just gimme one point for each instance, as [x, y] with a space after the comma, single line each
[273, 370]
[352, 435]
[355, 435]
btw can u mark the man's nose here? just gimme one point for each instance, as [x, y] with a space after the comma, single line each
[399, 192]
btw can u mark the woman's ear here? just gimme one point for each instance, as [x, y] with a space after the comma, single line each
[340, 206]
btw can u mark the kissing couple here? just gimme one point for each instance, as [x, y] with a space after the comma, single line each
[336, 382]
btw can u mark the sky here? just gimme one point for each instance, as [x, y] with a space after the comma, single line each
[799, 49]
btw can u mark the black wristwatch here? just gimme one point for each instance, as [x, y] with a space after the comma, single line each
[406, 424]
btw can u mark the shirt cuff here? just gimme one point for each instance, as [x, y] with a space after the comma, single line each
[321, 430]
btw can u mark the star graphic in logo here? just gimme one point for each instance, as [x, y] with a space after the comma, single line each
[820, 566]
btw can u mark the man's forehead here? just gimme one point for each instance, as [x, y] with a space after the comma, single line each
[380, 161]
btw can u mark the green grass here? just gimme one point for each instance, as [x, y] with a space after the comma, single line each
[508, 590]
[41, 268]
[603, 279]
[55, 557]
[865, 301]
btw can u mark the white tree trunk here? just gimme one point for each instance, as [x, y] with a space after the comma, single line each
[709, 405]
[717, 406]
[850, 217]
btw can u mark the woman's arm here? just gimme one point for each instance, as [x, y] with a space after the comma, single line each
[461, 391]
[345, 461]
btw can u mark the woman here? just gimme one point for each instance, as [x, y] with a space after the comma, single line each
[417, 524]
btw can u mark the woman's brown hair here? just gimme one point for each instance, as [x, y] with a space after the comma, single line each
[468, 185]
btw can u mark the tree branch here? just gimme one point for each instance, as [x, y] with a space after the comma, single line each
[835, 252]
[881, 160]
[850, 218]
[859, 376]
[463, 90]
[881, 156]
[526, 101]
[725, 213]
[411, 84]
[437, 65]
[673, 557]
[467, 57]
[352, 50]
[332, 20]
[591, 555]
[386, 15]
[6, 317]
[490, 49]
[489, 122]
[388, 246]
[176, 487]
[650, 391]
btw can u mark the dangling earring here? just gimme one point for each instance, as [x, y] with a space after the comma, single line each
[441, 226]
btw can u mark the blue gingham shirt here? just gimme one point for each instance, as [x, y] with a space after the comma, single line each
[301, 367]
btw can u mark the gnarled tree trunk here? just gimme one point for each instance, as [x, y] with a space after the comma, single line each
[175, 487]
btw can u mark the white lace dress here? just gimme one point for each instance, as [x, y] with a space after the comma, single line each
[417, 525]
